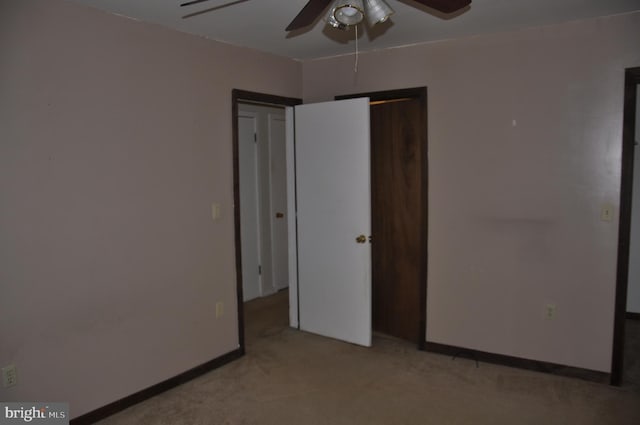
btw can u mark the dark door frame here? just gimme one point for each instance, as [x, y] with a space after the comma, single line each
[419, 93]
[631, 81]
[240, 96]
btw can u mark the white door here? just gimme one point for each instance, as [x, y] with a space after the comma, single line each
[263, 199]
[633, 281]
[278, 174]
[333, 210]
[249, 206]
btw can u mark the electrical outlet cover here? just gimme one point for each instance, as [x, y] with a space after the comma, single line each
[9, 376]
[549, 311]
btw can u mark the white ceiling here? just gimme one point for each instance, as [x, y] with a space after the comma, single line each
[260, 24]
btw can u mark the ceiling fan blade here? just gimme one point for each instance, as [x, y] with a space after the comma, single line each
[189, 3]
[445, 6]
[211, 9]
[308, 14]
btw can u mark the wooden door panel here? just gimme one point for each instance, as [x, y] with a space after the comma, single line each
[397, 203]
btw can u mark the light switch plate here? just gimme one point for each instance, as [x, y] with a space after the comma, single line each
[215, 211]
[606, 214]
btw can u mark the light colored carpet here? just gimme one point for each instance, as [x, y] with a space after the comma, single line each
[292, 377]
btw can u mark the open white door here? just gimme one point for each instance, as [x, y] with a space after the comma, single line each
[333, 211]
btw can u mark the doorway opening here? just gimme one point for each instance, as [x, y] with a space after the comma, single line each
[263, 199]
[258, 215]
[627, 304]
[399, 208]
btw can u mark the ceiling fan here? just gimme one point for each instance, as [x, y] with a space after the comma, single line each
[345, 13]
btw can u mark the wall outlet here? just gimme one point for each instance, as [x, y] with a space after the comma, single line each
[9, 376]
[549, 311]
[219, 309]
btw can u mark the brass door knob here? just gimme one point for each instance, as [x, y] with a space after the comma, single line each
[361, 239]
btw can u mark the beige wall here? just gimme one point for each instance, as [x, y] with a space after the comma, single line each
[524, 150]
[115, 138]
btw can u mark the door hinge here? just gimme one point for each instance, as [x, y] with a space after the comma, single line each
[259, 270]
[255, 137]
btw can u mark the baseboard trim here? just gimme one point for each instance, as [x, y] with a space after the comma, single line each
[504, 360]
[632, 316]
[122, 404]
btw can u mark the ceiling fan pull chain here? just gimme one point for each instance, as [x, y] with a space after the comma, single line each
[355, 66]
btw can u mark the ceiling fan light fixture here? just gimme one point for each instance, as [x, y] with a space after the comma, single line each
[348, 12]
[377, 11]
[331, 20]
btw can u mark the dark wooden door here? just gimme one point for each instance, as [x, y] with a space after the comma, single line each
[398, 217]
